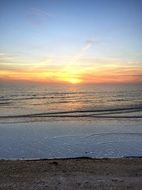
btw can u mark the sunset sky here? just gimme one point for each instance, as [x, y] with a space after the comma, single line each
[71, 41]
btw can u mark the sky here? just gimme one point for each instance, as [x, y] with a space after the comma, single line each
[71, 41]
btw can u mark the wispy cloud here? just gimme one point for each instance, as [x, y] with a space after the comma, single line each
[38, 16]
[5, 58]
[88, 44]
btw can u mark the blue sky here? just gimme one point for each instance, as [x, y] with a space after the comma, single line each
[35, 29]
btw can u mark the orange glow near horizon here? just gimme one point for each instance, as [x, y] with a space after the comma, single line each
[80, 78]
[73, 71]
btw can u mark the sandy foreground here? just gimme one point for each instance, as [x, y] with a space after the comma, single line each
[68, 174]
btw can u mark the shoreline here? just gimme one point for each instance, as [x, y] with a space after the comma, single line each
[71, 173]
[72, 158]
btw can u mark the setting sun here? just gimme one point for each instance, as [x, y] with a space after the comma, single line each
[74, 81]
[70, 74]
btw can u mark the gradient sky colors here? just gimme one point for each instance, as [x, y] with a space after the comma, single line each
[71, 41]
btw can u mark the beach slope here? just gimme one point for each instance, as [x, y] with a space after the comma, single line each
[70, 174]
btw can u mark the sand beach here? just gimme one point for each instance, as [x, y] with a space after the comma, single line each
[71, 174]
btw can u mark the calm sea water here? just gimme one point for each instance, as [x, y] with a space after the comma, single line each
[51, 121]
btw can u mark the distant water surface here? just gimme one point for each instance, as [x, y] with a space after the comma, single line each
[46, 121]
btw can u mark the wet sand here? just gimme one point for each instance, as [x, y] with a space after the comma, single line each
[71, 174]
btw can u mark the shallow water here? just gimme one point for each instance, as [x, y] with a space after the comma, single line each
[70, 121]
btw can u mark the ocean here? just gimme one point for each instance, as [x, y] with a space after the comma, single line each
[62, 121]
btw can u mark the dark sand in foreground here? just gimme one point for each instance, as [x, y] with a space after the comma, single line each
[68, 174]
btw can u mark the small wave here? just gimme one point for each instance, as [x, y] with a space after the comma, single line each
[100, 113]
[109, 134]
[5, 103]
